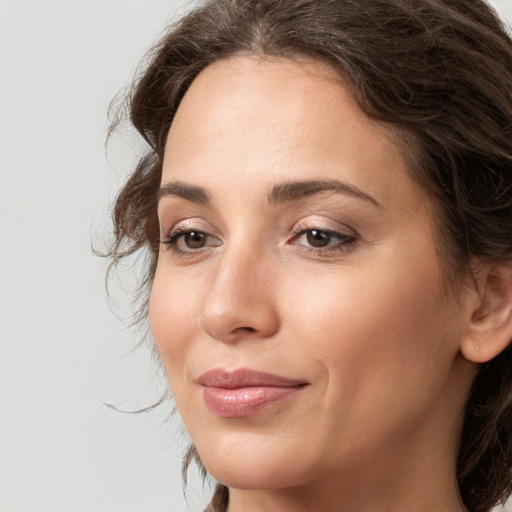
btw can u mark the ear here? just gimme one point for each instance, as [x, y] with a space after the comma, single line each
[490, 321]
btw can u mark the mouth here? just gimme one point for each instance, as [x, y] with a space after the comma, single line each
[245, 392]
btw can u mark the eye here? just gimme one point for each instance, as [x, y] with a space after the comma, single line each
[317, 238]
[183, 241]
[194, 239]
[323, 240]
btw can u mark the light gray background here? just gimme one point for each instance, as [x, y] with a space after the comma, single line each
[62, 351]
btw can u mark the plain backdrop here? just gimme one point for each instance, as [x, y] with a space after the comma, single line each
[63, 353]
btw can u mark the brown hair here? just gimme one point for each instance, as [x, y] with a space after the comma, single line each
[439, 72]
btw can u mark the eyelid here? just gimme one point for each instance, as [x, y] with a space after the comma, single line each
[324, 224]
[346, 238]
[170, 237]
[190, 223]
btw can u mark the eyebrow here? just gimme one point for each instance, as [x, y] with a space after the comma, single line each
[295, 190]
[189, 192]
[280, 193]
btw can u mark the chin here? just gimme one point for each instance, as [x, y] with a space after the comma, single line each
[253, 469]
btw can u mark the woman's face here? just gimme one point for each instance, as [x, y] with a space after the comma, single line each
[299, 303]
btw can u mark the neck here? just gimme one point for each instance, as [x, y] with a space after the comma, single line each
[391, 493]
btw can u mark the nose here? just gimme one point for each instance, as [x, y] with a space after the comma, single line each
[239, 302]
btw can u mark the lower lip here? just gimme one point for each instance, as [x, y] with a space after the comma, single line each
[243, 402]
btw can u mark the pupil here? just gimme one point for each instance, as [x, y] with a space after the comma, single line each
[318, 238]
[195, 239]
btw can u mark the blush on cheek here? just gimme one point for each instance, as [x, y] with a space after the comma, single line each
[163, 323]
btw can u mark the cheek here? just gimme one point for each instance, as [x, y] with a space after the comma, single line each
[392, 299]
[385, 336]
[173, 318]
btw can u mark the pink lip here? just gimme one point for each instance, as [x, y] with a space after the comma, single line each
[244, 392]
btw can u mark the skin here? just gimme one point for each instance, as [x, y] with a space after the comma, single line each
[367, 321]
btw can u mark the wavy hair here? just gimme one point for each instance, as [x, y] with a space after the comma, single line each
[439, 73]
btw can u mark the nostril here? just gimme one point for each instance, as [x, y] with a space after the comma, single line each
[247, 329]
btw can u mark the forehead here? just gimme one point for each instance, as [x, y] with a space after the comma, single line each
[277, 119]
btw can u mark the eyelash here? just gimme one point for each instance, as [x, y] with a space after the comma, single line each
[173, 237]
[344, 243]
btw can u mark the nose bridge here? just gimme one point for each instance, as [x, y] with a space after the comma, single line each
[240, 299]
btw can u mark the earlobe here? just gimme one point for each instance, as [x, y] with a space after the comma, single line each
[490, 320]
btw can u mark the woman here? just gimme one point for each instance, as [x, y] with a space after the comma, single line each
[326, 201]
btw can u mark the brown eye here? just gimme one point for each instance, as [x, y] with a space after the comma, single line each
[195, 239]
[317, 238]
[183, 241]
[323, 242]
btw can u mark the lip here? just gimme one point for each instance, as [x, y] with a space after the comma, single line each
[244, 392]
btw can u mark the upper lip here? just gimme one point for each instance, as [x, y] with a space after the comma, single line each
[244, 377]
